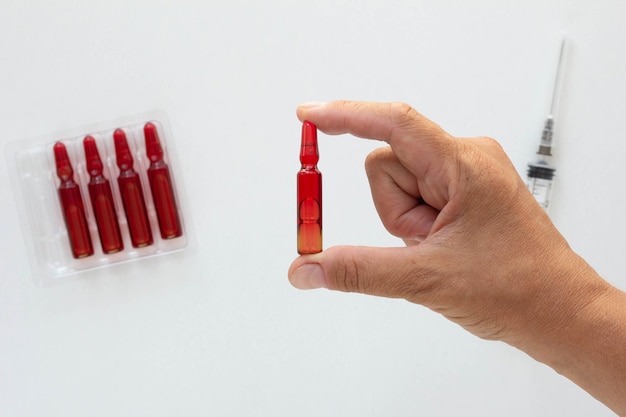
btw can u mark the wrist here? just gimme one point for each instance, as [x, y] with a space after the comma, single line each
[580, 331]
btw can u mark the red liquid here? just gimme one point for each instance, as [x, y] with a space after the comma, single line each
[161, 185]
[102, 200]
[72, 205]
[132, 193]
[309, 193]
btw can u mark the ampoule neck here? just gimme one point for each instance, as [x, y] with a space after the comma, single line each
[309, 154]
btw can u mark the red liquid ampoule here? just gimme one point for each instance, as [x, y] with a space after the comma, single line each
[102, 200]
[161, 185]
[72, 205]
[132, 193]
[309, 193]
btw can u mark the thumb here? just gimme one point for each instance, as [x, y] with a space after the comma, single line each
[388, 272]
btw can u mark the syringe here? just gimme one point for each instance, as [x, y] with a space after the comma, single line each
[541, 173]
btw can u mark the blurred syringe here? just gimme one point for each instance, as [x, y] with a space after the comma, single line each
[541, 173]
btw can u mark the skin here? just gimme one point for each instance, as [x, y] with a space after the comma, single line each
[479, 249]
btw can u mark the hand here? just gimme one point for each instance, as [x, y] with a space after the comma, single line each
[473, 230]
[479, 249]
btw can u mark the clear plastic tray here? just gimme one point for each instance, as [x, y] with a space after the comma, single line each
[34, 178]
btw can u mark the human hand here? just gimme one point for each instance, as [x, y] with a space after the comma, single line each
[479, 249]
[472, 228]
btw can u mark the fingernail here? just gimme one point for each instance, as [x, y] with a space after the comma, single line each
[311, 105]
[308, 277]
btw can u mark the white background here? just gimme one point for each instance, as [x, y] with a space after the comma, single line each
[220, 331]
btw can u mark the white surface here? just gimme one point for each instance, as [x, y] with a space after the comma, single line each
[220, 331]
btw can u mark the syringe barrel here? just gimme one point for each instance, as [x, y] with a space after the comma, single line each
[539, 182]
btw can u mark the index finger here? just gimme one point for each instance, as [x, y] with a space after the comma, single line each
[421, 145]
[389, 122]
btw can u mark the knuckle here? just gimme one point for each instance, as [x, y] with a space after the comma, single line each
[401, 112]
[348, 275]
[490, 144]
